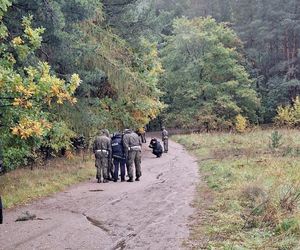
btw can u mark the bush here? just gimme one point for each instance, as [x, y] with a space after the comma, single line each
[14, 157]
[289, 115]
[240, 123]
[275, 140]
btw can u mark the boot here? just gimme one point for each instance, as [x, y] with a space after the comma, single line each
[98, 180]
[130, 179]
[137, 179]
[105, 181]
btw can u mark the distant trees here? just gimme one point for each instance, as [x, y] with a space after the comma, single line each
[269, 31]
[205, 83]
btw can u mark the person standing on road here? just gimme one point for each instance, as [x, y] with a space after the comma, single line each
[165, 139]
[142, 133]
[133, 152]
[102, 151]
[118, 156]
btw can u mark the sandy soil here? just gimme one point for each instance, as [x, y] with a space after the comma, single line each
[150, 214]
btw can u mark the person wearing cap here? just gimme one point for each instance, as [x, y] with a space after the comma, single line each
[133, 151]
[102, 151]
[165, 139]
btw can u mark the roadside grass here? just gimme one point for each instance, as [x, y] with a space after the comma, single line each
[254, 189]
[24, 185]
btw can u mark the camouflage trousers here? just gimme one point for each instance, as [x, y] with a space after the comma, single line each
[166, 145]
[134, 157]
[102, 165]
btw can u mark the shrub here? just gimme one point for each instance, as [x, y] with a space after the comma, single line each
[240, 123]
[275, 140]
[289, 115]
[14, 157]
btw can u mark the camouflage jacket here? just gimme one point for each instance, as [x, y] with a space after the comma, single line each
[164, 135]
[102, 143]
[131, 141]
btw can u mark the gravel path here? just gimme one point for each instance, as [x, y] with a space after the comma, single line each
[150, 214]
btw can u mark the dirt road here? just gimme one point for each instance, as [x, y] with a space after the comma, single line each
[150, 214]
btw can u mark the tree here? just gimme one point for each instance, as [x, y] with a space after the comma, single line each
[26, 93]
[114, 88]
[205, 82]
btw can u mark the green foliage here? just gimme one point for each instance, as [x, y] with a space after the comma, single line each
[289, 115]
[59, 137]
[268, 30]
[114, 76]
[15, 156]
[26, 94]
[204, 81]
[275, 140]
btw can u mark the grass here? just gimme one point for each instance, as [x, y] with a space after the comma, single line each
[252, 192]
[24, 185]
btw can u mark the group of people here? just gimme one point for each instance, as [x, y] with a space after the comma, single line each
[123, 151]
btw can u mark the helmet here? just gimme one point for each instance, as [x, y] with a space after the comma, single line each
[105, 132]
[127, 131]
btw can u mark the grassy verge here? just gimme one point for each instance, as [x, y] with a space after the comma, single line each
[252, 196]
[23, 185]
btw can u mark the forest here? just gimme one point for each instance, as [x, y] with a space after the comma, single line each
[71, 67]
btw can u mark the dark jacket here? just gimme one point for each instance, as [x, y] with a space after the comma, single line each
[117, 147]
[157, 149]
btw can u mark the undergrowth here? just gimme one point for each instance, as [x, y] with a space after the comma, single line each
[255, 190]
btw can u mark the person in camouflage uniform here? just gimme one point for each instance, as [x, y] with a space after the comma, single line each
[102, 151]
[133, 152]
[142, 133]
[165, 139]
